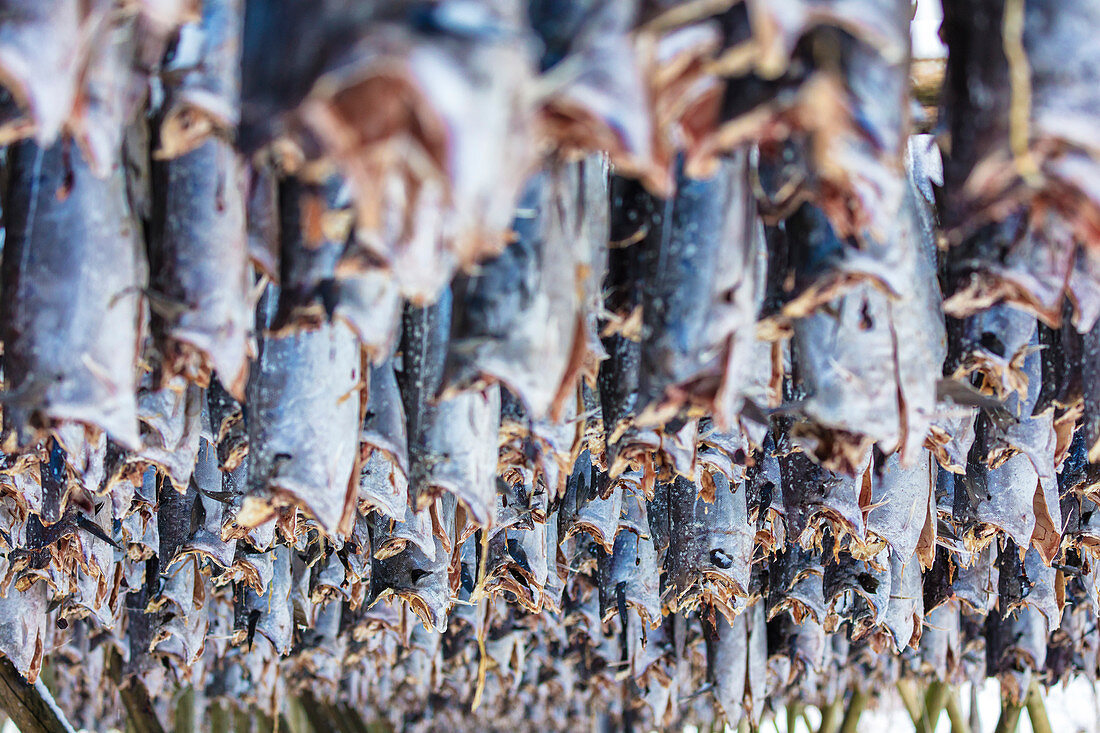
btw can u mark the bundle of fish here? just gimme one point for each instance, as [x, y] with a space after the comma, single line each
[616, 360]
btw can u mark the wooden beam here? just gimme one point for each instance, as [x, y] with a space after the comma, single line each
[221, 717]
[139, 707]
[974, 714]
[927, 80]
[242, 720]
[316, 714]
[351, 716]
[926, 84]
[30, 707]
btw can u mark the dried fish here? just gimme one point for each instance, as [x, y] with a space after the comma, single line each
[204, 88]
[517, 319]
[72, 312]
[201, 277]
[710, 551]
[383, 477]
[621, 364]
[302, 390]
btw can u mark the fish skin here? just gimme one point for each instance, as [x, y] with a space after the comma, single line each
[200, 266]
[206, 538]
[384, 422]
[460, 452]
[273, 606]
[585, 508]
[73, 315]
[632, 565]
[679, 267]
[795, 585]
[518, 319]
[824, 350]
[389, 536]
[171, 422]
[421, 582]
[229, 432]
[518, 565]
[44, 76]
[423, 345]
[940, 641]
[917, 321]
[501, 312]
[383, 482]
[855, 590]
[415, 77]
[813, 496]
[986, 177]
[727, 645]
[904, 616]
[270, 90]
[635, 218]
[901, 503]
[1016, 647]
[878, 298]
[203, 93]
[303, 422]
[262, 215]
[710, 551]
[813, 76]
[369, 302]
[595, 72]
[307, 259]
[1090, 372]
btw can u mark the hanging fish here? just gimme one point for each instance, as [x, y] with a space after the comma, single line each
[710, 551]
[73, 313]
[303, 425]
[203, 86]
[384, 471]
[418, 579]
[201, 282]
[517, 319]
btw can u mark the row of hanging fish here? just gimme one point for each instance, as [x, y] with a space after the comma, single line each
[552, 360]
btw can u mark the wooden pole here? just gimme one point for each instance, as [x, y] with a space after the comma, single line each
[974, 714]
[31, 707]
[141, 716]
[185, 711]
[296, 717]
[316, 714]
[910, 698]
[242, 720]
[1010, 717]
[855, 709]
[959, 723]
[794, 709]
[934, 701]
[1037, 710]
[139, 707]
[221, 720]
[831, 715]
[349, 719]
